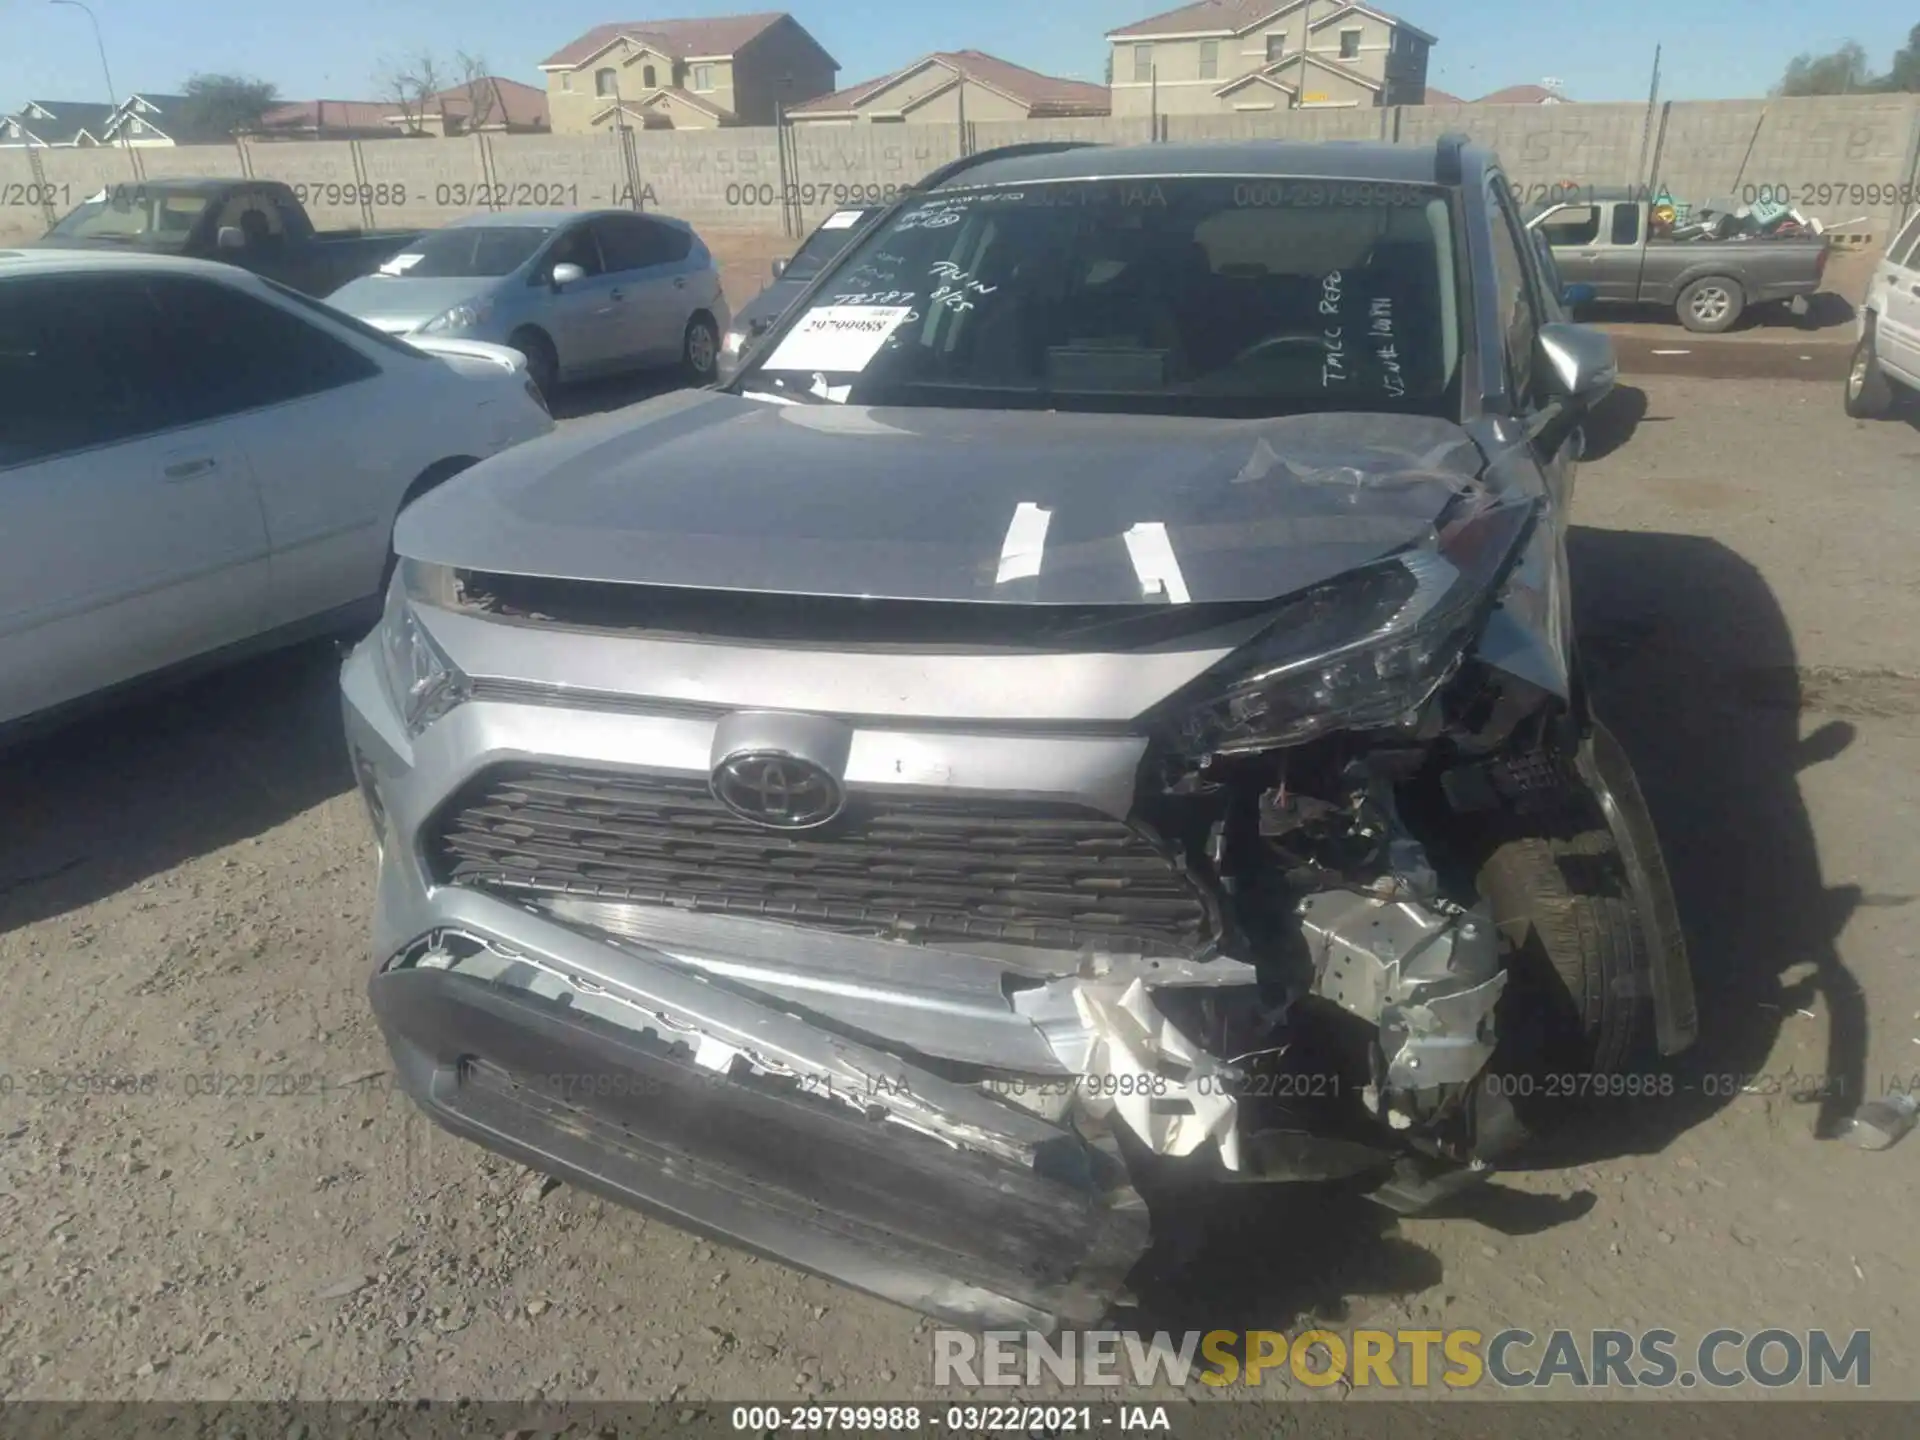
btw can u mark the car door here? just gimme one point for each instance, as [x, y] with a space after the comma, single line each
[330, 453]
[1621, 250]
[1897, 333]
[649, 260]
[583, 319]
[1574, 233]
[132, 537]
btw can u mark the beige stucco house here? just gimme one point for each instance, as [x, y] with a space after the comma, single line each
[1227, 56]
[949, 85]
[685, 74]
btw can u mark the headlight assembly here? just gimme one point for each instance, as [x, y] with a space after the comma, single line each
[423, 683]
[1364, 650]
[467, 315]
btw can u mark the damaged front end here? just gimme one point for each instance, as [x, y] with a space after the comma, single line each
[909, 997]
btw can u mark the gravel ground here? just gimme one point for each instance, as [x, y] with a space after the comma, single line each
[184, 890]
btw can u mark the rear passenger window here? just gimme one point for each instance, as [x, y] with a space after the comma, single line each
[225, 352]
[1626, 224]
[631, 242]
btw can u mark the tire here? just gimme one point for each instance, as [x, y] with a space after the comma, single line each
[1579, 969]
[700, 350]
[1710, 304]
[543, 365]
[1869, 393]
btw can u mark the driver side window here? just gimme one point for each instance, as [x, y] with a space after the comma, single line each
[576, 247]
[1519, 316]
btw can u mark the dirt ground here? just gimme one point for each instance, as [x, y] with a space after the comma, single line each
[184, 893]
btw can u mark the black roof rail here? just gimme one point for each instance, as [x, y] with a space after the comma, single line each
[1447, 166]
[1004, 152]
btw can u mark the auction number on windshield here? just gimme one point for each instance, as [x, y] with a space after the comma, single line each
[1256, 194]
[330, 193]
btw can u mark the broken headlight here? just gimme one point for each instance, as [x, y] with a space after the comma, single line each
[423, 683]
[1364, 650]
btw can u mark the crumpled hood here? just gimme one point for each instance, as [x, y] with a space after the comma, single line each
[709, 490]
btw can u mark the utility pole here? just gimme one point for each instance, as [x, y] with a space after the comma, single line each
[106, 72]
[1646, 129]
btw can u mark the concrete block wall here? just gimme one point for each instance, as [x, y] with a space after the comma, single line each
[1840, 158]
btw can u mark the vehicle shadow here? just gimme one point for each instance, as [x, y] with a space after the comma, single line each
[113, 798]
[1693, 667]
[597, 397]
[1613, 422]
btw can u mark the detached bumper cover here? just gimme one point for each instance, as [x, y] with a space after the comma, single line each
[767, 1163]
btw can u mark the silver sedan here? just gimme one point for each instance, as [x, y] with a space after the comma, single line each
[579, 293]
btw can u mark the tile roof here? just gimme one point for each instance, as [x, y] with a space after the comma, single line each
[1226, 17]
[500, 102]
[1043, 95]
[1437, 96]
[327, 115]
[681, 39]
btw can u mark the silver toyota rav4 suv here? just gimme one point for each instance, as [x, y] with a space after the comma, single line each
[1092, 703]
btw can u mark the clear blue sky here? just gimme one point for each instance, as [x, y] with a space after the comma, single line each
[1715, 49]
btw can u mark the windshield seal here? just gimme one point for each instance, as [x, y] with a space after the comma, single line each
[1247, 263]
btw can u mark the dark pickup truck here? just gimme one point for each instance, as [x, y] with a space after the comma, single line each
[1608, 242]
[256, 224]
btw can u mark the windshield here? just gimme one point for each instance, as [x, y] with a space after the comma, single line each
[1208, 295]
[825, 243]
[468, 251]
[158, 219]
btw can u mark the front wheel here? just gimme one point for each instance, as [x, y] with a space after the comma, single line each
[700, 351]
[1711, 305]
[1579, 963]
[1869, 391]
[543, 365]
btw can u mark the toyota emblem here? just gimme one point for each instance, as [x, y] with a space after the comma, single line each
[781, 792]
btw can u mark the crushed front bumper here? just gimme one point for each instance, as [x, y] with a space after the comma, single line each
[1035, 1237]
[726, 1109]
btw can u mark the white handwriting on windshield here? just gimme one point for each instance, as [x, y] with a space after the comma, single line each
[1385, 347]
[1333, 363]
[953, 293]
[875, 297]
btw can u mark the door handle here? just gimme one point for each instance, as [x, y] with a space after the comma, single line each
[187, 469]
[619, 295]
[1915, 289]
[1589, 254]
[679, 283]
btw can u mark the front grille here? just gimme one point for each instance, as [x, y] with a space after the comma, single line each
[924, 868]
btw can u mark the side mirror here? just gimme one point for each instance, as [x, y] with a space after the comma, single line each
[230, 237]
[565, 275]
[1580, 362]
[1577, 293]
[779, 268]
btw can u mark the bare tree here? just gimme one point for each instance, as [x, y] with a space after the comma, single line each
[413, 87]
[483, 97]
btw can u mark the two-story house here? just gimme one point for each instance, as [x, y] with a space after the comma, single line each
[1219, 57]
[685, 74]
[939, 89]
[57, 124]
